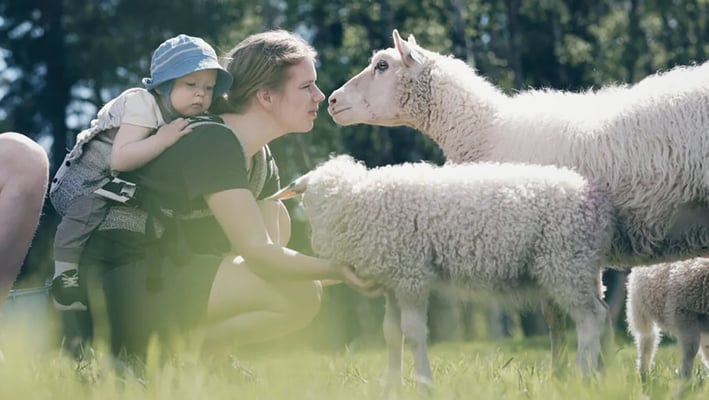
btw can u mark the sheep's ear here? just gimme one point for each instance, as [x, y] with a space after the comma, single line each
[408, 55]
[395, 36]
[411, 39]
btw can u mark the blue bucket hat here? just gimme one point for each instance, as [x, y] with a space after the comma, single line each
[182, 55]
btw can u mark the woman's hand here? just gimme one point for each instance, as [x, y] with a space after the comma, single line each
[366, 287]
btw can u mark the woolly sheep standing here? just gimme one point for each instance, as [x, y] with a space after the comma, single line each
[529, 232]
[647, 143]
[671, 298]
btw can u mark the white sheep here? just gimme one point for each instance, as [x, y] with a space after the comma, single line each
[527, 232]
[647, 143]
[671, 298]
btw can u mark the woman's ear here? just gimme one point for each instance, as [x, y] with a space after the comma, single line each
[265, 98]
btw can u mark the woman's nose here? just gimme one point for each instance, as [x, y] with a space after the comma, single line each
[319, 95]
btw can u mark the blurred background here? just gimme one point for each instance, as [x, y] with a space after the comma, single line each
[60, 60]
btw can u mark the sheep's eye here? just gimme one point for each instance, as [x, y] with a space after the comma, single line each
[381, 66]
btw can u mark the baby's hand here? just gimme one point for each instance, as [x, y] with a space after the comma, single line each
[173, 131]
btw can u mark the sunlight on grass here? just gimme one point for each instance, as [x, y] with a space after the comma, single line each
[505, 369]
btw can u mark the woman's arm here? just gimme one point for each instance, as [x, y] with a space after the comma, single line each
[277, 220]
[239, 215]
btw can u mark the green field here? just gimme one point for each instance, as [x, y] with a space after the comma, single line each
[503, 369]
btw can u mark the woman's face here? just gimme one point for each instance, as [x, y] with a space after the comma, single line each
[192, 94]
[296, 105]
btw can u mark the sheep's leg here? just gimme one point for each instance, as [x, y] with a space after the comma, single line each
[645, 334]
[413, 325]
[590, 322]
[608, 341]
[704, 349]
[394, 341]
[574, 286]
[556, 321]
[689, 352]
[646, 342]
[688, 341]
[608, 335]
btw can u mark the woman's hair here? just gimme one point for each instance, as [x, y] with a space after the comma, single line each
[261, 61]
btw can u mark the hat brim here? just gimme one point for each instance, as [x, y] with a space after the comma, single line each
[189, 65]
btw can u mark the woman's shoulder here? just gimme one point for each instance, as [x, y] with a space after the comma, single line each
[210, 137]
[209, 122]
[211, 131]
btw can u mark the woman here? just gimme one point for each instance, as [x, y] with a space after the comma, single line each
[219, 253]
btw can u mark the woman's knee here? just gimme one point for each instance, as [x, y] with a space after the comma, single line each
[22, 148]
[306, 300]
[25, 162]
[237, 290]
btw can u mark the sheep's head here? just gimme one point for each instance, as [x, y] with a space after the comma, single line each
[336, 176]
[328, 200]
[390, 91]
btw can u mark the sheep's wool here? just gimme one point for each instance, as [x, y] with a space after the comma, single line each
[480, 223]
[672, 298]
[512, 229]
[647, 143]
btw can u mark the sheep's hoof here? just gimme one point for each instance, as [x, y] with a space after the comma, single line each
[424, 386]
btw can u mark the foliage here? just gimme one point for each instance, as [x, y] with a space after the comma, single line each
[62, 59]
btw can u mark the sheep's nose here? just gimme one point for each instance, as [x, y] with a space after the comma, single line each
[332, 99]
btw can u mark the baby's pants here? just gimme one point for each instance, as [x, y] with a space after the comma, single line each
[82, 217]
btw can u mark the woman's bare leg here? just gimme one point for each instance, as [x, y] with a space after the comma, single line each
[24, 171]
[244, 308]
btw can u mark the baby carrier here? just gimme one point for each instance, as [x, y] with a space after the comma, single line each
[86, 169]
[87, 166]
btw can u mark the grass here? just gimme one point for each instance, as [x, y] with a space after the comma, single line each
[503, 369]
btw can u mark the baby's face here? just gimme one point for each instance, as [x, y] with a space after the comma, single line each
[192, 94]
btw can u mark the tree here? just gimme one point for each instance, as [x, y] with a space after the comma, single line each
[65, 59]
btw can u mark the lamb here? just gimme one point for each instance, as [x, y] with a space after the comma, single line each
[646, 143]
[671, 298]
[531, 232]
